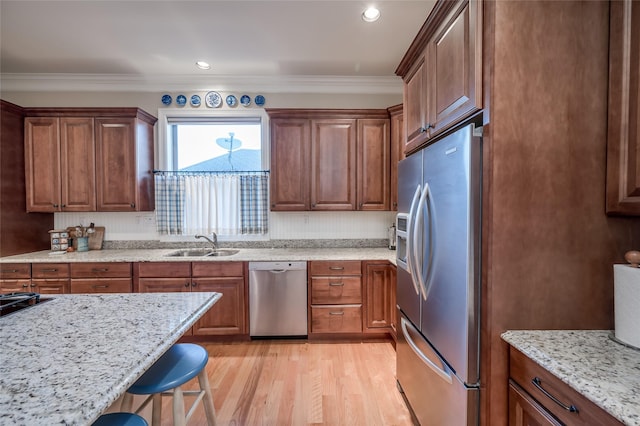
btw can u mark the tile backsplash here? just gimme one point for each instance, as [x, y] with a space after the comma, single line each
[283, 225]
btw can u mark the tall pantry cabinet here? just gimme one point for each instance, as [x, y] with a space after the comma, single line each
[548, 247]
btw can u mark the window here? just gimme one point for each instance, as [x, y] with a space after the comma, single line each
[213, 177]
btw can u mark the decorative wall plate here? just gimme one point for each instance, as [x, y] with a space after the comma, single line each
[181, 100]
[259, 100]
[166, 99]
[232, 101]
[195, 100]
[245, 100]
[213, 99]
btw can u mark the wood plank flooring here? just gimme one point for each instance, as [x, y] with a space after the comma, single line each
[281, 382]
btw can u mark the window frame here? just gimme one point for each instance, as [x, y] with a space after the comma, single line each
[165, 115]
[163, 152]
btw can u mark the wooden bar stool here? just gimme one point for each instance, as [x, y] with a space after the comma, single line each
[181, 363]
[120, 419]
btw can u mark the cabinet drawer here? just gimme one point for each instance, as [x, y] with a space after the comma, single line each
[101, 270]
[336, 319]
[19, 285]
[217, 269]
[15, 270]
[524, 371]
[50, 270]
[164, 269]
[331, 291]
[164, 285]
[325, 267]
[101, 285]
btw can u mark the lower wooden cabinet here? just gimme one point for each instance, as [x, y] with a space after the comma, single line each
[335, 297]
[228, 315]
[379, 311]
[100, 277]
[537, 397]
[525, 411]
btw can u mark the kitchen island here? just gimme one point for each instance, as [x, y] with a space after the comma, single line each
[66, 360]
[607, 373]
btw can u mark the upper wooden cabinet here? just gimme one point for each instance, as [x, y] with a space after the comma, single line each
[623, 146]
[89, 159]
[442, 72]
[329, 159]
[333, 164]
[60, 164]
[374, 164]
[290, 159]
[396, 131]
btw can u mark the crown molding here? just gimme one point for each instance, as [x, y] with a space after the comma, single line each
[12, 82]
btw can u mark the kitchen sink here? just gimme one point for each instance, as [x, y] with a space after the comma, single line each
[200, 252]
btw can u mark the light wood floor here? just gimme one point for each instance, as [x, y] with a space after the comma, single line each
[280, 382]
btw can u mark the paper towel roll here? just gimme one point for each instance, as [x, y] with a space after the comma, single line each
[626, 281]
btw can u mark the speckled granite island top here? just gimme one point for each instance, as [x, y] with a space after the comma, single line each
[65, 361]
[605, 372]
[252, 254]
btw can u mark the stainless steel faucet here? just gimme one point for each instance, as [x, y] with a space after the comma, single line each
[214, 241]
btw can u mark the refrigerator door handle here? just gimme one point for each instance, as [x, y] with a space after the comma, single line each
[429, 202]
[411, 258]
[440, 371]
[418, 241]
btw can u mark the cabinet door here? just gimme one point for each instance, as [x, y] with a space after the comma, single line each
[228, 315]
[378, 310]
[623, 144]
[290, 164]
[415, 105]
[333, 164]
[396, 140]
[50, 286]
[455, 73]
[115, 164]
[77, 160]
[42, 164]
[373, 164]
[525, 411]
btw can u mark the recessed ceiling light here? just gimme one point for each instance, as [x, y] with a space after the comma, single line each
[203, 65]
[371, 15]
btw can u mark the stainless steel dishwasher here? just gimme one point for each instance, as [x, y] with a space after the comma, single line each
[277, 299]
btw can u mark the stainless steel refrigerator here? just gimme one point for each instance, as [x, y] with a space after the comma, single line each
[438, 287]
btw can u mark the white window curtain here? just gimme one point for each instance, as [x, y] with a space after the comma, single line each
[202, 203]
[212, 204]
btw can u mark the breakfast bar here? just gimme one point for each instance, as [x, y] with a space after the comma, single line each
[67, 359]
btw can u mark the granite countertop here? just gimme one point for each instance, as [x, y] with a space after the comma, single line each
[605, 372]
[68, 359]
[245, 254]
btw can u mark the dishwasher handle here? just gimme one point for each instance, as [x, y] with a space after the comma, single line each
[278, 271]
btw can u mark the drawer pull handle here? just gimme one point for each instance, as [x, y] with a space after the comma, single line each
[9, 271]
[538, 383]
[336, 268]
[338, 284]
[336, 313]
[99, 269]
[25, 285]
[101, 286]
[50, 270]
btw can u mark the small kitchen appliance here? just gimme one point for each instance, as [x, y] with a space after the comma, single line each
[391, 236]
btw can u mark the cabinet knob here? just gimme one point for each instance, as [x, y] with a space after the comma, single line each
[194, 284]
[133, 205]
[273, 205]
[63, 206]
[186, 284]
[313, 205]
[431, 126]
[55, 205]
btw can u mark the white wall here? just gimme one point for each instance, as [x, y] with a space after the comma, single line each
[293, 225]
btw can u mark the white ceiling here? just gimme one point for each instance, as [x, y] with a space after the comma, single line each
[145, 44]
